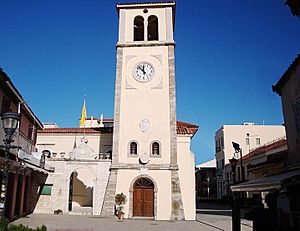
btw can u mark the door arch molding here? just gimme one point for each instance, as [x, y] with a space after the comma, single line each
[131, 189]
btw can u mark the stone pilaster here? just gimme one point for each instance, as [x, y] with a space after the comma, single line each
[116, 134]
[177, 206]
[172, 103]
[109, 198]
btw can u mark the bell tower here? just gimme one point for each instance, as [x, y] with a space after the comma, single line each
[145, 137]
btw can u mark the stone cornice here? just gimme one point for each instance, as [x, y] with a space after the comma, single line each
[145, 44]
[148, 166]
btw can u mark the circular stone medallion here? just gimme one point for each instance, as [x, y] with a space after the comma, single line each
[144, 125]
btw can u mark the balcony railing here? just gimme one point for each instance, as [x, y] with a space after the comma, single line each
[21, 140]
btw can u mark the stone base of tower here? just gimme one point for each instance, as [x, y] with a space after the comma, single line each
[177, 206]
[108, 208]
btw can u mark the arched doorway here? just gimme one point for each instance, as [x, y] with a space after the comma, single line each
[81, 191]
[143, 198]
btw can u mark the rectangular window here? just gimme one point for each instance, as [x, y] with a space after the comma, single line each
[30, 131]
[297, 115]
[257, 141]
[247, 141]
[5, 105]
[46, 189]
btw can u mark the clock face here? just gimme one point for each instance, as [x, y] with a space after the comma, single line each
[143, 72]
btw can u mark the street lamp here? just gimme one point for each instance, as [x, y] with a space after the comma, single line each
[10, 123]
[236, 219]
[233, 164]
[238, 150]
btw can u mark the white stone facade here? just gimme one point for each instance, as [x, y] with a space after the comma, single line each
[96, 170]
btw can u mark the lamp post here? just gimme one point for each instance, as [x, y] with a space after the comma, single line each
[238, 150]
[236, 219]
[10, 123]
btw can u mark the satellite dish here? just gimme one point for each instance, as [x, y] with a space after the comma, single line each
[144, 159]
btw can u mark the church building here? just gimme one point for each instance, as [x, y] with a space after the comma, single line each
[144, 152]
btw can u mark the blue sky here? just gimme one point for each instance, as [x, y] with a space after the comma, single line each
[228, 55]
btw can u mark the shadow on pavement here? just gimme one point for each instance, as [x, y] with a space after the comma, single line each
[213, 207]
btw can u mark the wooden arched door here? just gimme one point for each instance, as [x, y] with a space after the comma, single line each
[143, 198]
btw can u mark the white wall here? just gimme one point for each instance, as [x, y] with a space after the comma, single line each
[186, 164]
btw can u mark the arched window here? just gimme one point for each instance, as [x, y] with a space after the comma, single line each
[138, 28]
[133, 148]
[155, 149]
[152, 28]
[143, 183]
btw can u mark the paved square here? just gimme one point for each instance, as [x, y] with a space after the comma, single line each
[97, 223]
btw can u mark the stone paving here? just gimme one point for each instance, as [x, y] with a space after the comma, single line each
[65, 222]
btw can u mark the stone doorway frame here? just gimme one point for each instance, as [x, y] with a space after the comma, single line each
[131, 189]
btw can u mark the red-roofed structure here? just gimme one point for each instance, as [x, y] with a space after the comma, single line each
[267, 147]
[183, 128]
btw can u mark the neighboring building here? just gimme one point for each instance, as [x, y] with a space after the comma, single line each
[279, 176]
[268, 159]
[294, 6]
[61, 141]
[81, 157]
[25, 171]
[206, 181]
[248, 136]
[288, 87]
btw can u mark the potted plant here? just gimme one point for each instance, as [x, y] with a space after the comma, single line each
[120, 200]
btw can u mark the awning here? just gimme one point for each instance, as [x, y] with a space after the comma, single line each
[266, 183]
[34, 163]
[35, 168]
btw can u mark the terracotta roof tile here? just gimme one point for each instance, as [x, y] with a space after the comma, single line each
[183, 128]
[70, 130]
[267, 147]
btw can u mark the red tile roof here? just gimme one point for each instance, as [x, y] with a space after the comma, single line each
[182, 128]
[70, 130]
[267, 147]
[287, 75]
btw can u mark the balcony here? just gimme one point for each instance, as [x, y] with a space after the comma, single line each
[21, 140]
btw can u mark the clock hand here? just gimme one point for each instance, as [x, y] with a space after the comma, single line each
[144, 69]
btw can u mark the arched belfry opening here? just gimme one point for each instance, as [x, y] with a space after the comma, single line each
[138, 28]
[143, 198]
[152, 28]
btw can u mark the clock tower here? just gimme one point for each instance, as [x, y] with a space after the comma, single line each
[144, 159]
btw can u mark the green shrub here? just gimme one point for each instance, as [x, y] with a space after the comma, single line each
[3, 223]
[12, 227]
